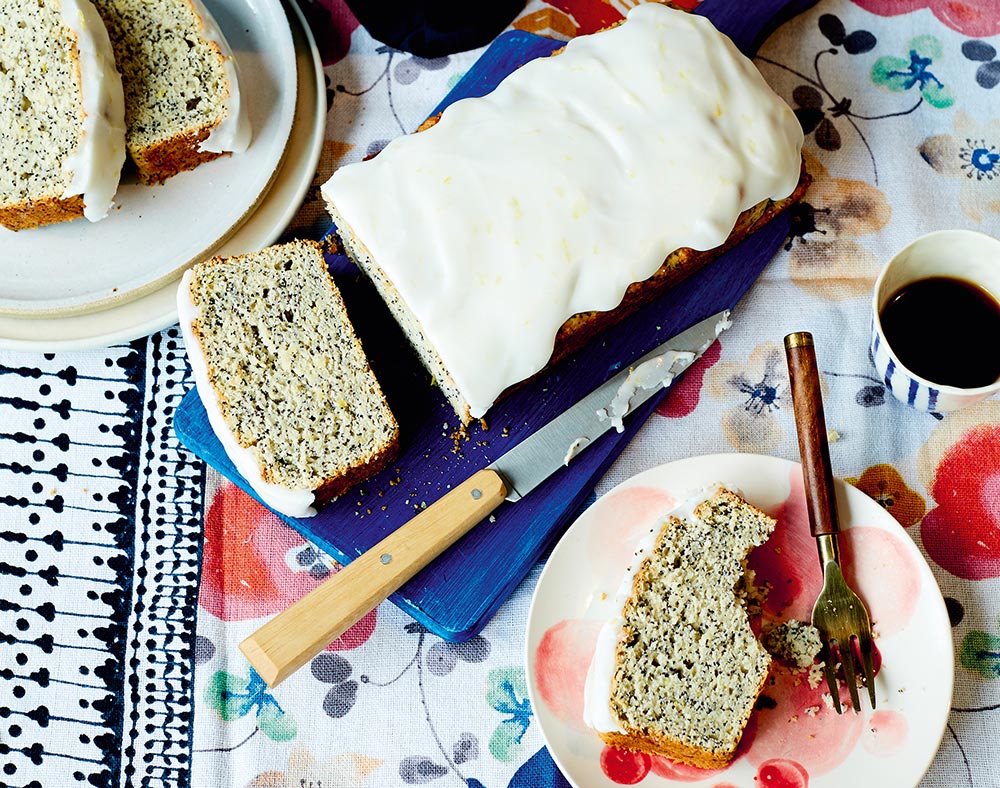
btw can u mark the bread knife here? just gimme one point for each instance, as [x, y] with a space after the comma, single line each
[296, 635]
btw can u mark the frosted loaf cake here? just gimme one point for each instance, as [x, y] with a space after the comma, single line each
[574, 179]
[283, 378]
[182, 99]
[62, 127]
[678, 671]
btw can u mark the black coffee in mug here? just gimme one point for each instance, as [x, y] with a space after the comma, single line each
[946, 330]
[433, 28]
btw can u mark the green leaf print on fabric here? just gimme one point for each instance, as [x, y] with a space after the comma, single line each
[233, 697]
[980, 654]
[508, 694]
[900, 74]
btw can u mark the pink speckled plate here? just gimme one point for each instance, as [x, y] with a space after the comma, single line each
[794, 739]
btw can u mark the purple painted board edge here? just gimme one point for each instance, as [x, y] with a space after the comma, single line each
[450, 598]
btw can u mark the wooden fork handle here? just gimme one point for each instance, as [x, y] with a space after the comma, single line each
[807, 401]
[296, 635]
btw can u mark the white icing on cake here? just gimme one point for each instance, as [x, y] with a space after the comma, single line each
[597, 689]
[294, 503]
[233, 132]
[96, 162]
[575, 178]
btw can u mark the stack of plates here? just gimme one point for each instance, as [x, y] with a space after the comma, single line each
[78, 285]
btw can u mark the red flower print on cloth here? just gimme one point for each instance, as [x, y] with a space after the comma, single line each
[683, 396]
[594, 15]
[960, 466]
[253, 565]
[976, 18]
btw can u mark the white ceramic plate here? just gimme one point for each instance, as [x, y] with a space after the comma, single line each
[798, 740]
[155, 231]
[156, 310]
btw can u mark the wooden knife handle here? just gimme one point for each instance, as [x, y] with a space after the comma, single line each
[807, 400]
[296, 635]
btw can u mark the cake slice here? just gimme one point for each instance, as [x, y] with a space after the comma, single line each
[524, 222]
[677, 673]
[182, 96]
[62, 129]
[283, 377]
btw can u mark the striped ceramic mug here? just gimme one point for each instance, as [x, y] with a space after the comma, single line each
[962, 254]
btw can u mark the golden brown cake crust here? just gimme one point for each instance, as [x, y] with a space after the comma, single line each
[692, 756]
[334, 488]
[36, 213]
[583, 327]
[158, 162]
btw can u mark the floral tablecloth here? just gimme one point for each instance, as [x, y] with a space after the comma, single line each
[129, 572]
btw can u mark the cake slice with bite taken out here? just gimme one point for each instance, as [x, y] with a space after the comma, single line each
[678, 671]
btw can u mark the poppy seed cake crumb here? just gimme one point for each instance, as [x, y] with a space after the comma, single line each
[42, 112]
[291, 377]
[794, 641]
[688, 667]
[175, 82]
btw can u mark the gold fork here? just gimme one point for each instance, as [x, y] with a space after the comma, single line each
[839, 615]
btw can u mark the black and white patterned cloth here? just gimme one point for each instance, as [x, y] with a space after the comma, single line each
[100, 535]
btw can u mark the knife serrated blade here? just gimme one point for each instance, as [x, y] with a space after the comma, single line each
[553, 446]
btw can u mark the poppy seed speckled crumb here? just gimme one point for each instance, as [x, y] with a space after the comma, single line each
[176, 84]
[292, 380]
[55, 67]
[688, 667]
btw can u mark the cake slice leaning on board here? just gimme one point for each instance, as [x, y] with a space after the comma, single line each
[62, 116]
[526, 221]
[283, 378]
[182, 99]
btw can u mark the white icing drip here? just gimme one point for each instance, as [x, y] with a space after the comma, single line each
[576, 177]
[294, 503]
[96, 162]
[653, 373]
[574, 448]
[597, 689]
[233, 132]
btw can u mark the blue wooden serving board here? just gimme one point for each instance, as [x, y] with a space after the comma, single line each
[457, 594]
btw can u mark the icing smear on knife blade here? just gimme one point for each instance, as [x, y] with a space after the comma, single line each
[652, 374]
[554, 445]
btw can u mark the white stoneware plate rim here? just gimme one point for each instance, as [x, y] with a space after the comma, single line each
[565, 585]
[76, 267]
[157, 310]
